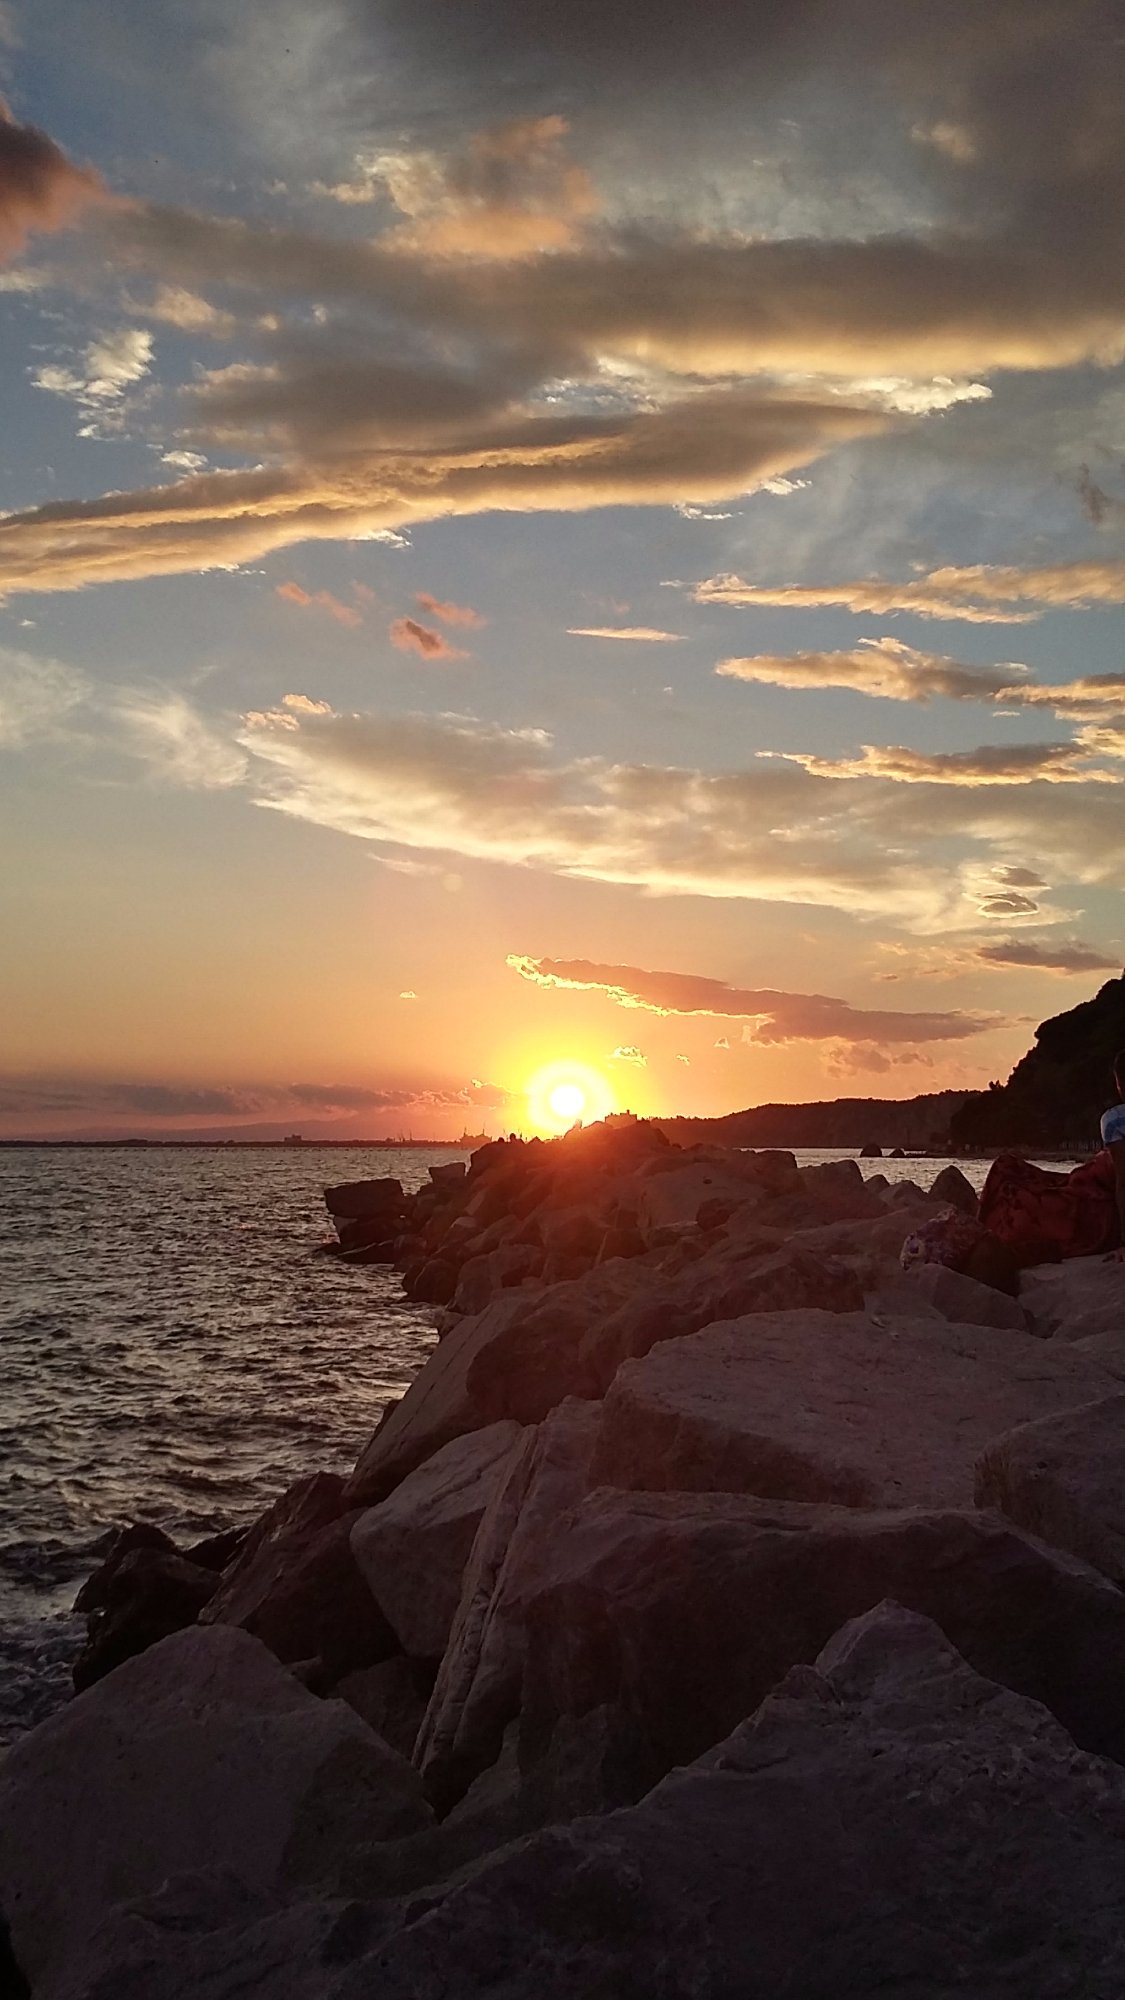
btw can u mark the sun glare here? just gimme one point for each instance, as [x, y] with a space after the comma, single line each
[563, 1094]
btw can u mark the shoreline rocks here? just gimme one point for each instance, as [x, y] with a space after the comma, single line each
[718, 1595]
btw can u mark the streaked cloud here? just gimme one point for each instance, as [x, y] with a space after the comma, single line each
[979, 594]
[886, 667]
[990, 764]
[642, 635]
[1036, 955]
[710, 446]
[770, 1017]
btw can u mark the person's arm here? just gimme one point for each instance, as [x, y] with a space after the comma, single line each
[1117, 1155]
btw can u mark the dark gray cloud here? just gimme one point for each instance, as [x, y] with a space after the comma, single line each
[1031, 954]
[39, 187]
[771, 1017]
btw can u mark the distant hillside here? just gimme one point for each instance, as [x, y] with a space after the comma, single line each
[913, 1123]
[1057, 1092]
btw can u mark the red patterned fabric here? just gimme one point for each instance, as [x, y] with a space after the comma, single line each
[1045, 1216]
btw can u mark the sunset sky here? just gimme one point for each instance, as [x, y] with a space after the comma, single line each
[545, 534]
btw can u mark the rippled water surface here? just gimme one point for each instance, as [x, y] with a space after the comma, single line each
[172, 1349]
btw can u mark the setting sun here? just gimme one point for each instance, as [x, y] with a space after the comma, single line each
[562, 1094]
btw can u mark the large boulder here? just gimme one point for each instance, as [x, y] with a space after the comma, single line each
[476, 1693]
[887, 1822]
[963, 1299]
[411, 1550]
[1076, 1299]
[203, 1754]
[671, 1200]
[296, 1586]
[842, 1407]
[517, 1360]
[678, 1612]
[1063, 1478]
[391, 1698]
[728, 1281]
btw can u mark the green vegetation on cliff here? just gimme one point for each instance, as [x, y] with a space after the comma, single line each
[1057, 1092]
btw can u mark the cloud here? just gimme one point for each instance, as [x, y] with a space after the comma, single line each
[448, 614]
[629, 1054]
[1064, 957]
[411, 637]
[321, 600]
[708, 446]
[979, 594]
[1020, 878]
[36, 696]
[990, 764]
[641, 634]
[774, 831]
[174, 742]
[886, 667]
[155, 1103]
[39, 187]
[408, 994]
[510, 192]
[771, 1017]
[303, 704]
[111, 364]
[1011, 904]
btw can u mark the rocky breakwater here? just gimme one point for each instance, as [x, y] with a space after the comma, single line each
[721, 1610]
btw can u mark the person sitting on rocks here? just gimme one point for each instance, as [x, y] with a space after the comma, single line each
[1113, 1139]
[1044, 1216]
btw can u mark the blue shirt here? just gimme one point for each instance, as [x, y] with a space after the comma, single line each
[1113, 1125]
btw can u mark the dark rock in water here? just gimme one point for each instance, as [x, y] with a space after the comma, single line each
[896, 1153]
[353, 1199]
[295, 1583]
[136, 1599]
[434, 1282]
[682, 1610]
[448, 1175]
[952, 1185]
[887, 1823]
[871, 1151]
[1063, 1479]
[216, 1551]
[97, 1590]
